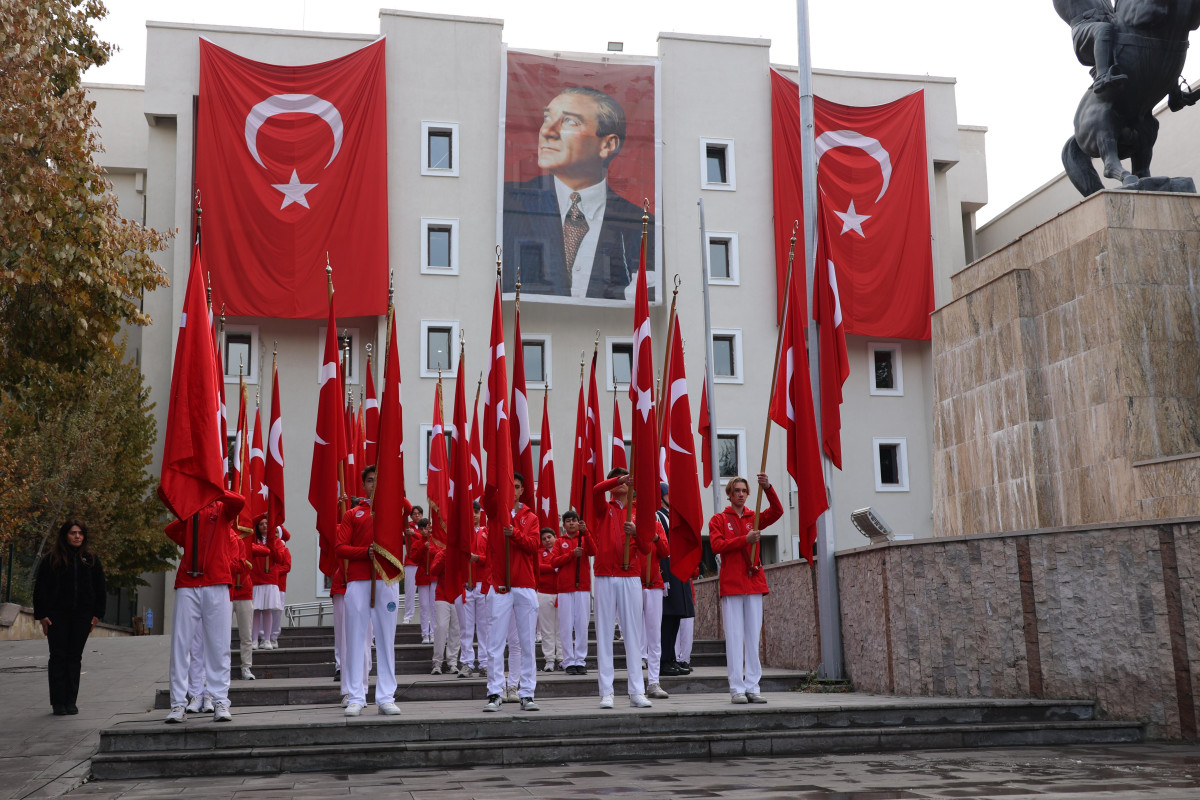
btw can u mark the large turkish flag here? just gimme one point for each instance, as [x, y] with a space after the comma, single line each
[873, 176]
[291, 165]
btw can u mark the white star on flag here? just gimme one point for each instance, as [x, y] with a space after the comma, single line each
[852, 220]
[294, 191]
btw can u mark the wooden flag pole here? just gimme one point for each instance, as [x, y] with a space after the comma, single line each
[632, 495]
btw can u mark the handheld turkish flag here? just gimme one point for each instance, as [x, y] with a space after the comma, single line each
[192, 475]
[438, 488]
[873, 173]
[522, 443]
[219, 371]
[792, 409]
[547, 492]
[593, 471]
[390, 505]
[498, 486]
[476, 455]
[687, 512]
[258, 489]
[292, 164]
[241, 462]
[329, 447]
[371, 422]
[705, 431]
[620, 458]
[461, 516]
[644, 422]
[353, 476]
[276, 507]
[580, 493]
[835, 364]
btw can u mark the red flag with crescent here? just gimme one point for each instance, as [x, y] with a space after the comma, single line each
[687, 511]
[291, 165]
[547, 491]
[276, 508]
[258, 489]
[593, 448]
[644, 422]
[620, 458]
[329, 446]
[390, 505]
[498, 485]
[522, 440]
[370, 411]
[438, 474]
[873, 172]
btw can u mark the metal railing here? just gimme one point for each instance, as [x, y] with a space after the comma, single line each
[295, 612]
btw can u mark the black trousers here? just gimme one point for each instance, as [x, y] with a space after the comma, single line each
[67, 636]
[670, 631]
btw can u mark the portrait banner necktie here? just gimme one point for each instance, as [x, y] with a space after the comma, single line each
[575, 227]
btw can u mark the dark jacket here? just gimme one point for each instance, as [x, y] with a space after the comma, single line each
[74, 589]
[679, 601]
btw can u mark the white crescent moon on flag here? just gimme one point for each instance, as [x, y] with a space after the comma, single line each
[273, 440]
[831, 139]
[521, 408]
[292, 104]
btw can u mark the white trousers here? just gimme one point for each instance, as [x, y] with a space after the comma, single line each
[425, 601]
[360, 614]
[618, 597]
[652, 600]
[683, 642]
[447, 635]
[205, 608]
[573, 609]
[742, 615]
[277, 619]
[547, 625]
[339, 630]
[504, 608]
[196, 667]
[515, 654]
[243, 610]
[410, 591]
[473, 623]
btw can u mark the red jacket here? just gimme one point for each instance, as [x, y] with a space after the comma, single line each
[243, 581]
[477, 571]
[522, 548]
[355, 535]
[271, 559]
[283, 573]
[564, 558]
[423, 554]
[337, 581]
[660, 550]
[610, 536]
[727, 537]
[219, 547]
[547, 572]
[410, 540]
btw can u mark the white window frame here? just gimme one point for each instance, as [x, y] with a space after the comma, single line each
[423, 449]
[439, 222]
[738, 372]
[355, 344]
[740, 433]
[730, 184]
[547, 360]
[731, 239]
[901, 457]
[251, 375]
[426, 324]
[428, 127]
[535, 446]
[609, 341]
[897, 368]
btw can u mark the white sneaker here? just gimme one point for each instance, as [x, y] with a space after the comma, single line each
[221, 713]
[274, 645]
[389, 709]
[756, 698]
[639, 701]
[494, 702]
[408, 620]
[739, 699]
[247, 675]
[528, 704]
[657, 692]
[510, 695]
[353, 710]
[176, 716]
[268, 645]
[606, 701]
[193, 706]
[254, 645]
[207, 706]
[345, 700]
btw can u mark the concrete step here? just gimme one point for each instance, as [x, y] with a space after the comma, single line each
[294, 691]
[444, 734]
[323, 636]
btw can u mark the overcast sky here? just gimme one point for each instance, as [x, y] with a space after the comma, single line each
[1016, 71]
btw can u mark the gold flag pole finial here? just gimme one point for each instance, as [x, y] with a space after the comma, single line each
[499, 259]
[678, 281]
[596, 344]
[329, 275]
[222, 318]
[582, 359]
[518, 298]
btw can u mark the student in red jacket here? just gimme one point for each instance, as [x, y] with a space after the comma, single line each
[547, 619]
[426, 582]
[267, 599]
[411, 563]
[447, 636]
[210, 554]
[472, 605]
[513, 596]
[618, 587]
[742, 583]
[572, 556]
[241, 594]
[652, 606]
[281, 568]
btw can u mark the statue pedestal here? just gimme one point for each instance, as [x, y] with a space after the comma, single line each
[1067, 372]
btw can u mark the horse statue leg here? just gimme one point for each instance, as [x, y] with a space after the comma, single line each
[1079, 169]
[1144, 151]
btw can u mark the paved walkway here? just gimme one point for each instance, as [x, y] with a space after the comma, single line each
[46, 756]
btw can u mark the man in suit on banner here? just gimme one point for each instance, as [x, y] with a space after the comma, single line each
[567, 230]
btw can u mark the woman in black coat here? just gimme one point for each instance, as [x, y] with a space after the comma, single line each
[68, 600]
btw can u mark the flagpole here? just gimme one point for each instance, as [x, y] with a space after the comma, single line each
[708, 374]
[829, 619]
[341, 468]
[632, 494]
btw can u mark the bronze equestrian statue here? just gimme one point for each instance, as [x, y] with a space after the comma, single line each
[1136, 51]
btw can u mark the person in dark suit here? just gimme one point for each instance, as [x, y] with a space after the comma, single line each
[567, 231]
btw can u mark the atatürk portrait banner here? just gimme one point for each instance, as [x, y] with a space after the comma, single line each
[580, 159]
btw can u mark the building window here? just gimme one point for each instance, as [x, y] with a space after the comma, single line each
[731, 453]
[891, 464]
[241, 349]
[723, 258]
[727, 356]
[887, 374]
[716, 165]
[535, 349]
[439, 347]
[439, 148]
[439, 246]
[619, 355]
[347, 338]
[535, 445]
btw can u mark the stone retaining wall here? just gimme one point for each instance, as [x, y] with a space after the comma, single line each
[17, 624]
